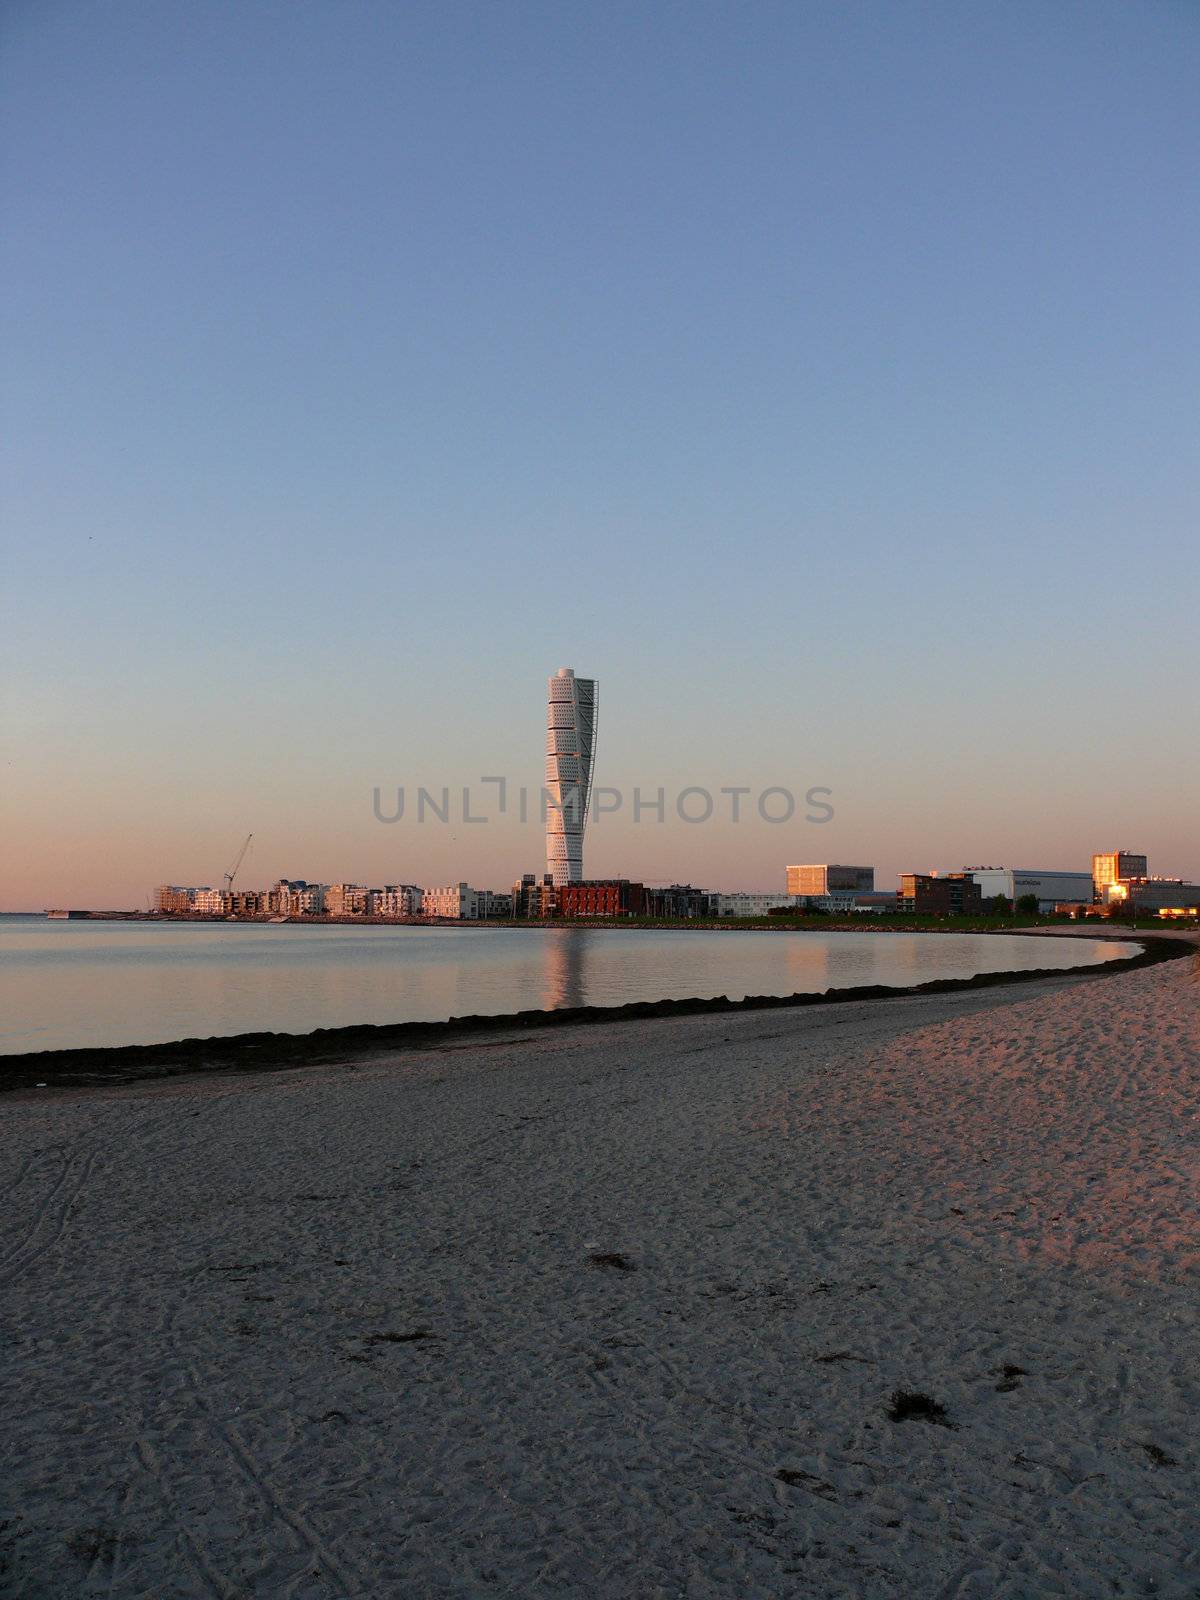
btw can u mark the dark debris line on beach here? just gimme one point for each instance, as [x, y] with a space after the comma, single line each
[274, 1052]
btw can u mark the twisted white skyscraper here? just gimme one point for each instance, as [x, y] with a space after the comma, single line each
[570, 753]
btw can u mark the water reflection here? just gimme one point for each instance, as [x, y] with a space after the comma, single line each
[64, 985]
[563, 965]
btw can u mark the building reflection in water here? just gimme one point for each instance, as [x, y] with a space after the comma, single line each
[563, 963]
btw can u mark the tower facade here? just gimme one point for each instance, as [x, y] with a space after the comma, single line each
[570, 755]
[1110, 867]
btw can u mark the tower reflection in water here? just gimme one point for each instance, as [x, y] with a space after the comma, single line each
[563, 963]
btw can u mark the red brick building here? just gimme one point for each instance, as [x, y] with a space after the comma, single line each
[601, 897]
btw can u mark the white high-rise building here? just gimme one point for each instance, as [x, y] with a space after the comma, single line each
[570, 755]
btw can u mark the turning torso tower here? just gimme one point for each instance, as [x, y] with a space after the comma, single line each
[570, 754]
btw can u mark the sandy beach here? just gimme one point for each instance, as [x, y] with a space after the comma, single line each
[623, 1311]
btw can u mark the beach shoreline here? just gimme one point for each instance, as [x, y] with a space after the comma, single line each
[617, 1312]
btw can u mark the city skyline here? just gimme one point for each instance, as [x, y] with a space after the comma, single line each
[560, 808]
[557, 810]
[1119, 881]
[844, 362]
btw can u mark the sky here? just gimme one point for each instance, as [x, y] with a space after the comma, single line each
[821, 378]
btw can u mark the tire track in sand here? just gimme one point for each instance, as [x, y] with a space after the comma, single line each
[345, 1584]
[213, 1581]
[348, 1584]
[52, 1218]
[21, 1173]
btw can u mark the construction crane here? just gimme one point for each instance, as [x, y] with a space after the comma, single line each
[233, 871]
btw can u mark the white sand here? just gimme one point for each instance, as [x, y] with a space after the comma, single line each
[200, 1278]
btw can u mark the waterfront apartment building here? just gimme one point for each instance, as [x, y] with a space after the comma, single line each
[814, 882]
[173, 899]
[457, 901]
[294, 897]
[678, 900]
[1113, 866]
[1050, 887]
[493, 903]
[460, 903]
[303, 899]
[955, 895]
[347, 900]
[525, 891]
[397, 900]
[571, 711]
[533, 897]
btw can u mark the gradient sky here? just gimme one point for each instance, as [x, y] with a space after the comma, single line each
[820, 377]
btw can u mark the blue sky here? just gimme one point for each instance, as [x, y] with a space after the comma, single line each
[822, 378]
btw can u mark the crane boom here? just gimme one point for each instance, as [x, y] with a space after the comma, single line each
[233, 871]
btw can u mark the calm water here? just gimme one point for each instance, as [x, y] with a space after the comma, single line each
[64, 984]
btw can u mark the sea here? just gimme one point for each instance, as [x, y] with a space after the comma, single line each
[88, 983]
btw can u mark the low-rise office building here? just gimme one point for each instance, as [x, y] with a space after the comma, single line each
[1112, 866]
[1165, 896]
[1014, 883]
[813, 882]
[955, 895]
[878, 902]
[752, 905]
[837, 901]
